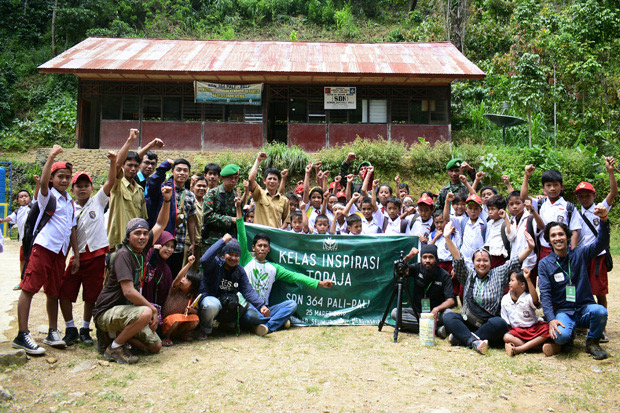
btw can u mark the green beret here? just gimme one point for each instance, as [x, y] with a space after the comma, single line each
[363, 164]
[229, 170]
[454, 163]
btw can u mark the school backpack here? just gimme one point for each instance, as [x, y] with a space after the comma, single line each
[569, 209]
[483, 231]
[109, 263]
[529, 227]
[30, 231]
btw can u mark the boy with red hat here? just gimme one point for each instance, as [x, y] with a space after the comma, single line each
[46, 263]
[86, 268]
[587, 225]
[471, 228]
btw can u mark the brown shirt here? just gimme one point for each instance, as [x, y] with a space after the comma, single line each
[126, 267]
[176, 303]
[125, 203]
[270, 210]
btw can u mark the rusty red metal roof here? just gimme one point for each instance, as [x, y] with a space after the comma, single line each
[263, 61]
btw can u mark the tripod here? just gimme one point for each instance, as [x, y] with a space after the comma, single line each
[400, 282]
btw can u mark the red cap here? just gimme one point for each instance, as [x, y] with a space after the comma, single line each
[62, 165]
[473, 198]
[300, 189]
[79, 175]
[426, 200]
[341, 195]
[585, 186]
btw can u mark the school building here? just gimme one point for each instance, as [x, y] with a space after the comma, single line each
[211, 95]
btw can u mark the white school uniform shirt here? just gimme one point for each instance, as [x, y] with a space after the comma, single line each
[55, 235]
[312, 214]
[393, 227]
[494, 242]
[586, 236]
[521, 313]
[373, 227]
[420, 228]
[484, 214]
[90, 223]
[471, 236]
[341, 229]
[550, 212]
[520, 243]
[443, 253]
[19, 218]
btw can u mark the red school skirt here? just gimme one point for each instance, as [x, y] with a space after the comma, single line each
[540, 329]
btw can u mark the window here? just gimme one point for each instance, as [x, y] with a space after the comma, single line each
[214, 113]
[111, 107]
[439, 114]
[338, 116]
[377, 111]
[234, 113]
[191, 111]
[172, 108]
[400, 111]
[131, 108]
[418, 116]
[151, 108]
[316, 112]
[253, 114]
[298, 111]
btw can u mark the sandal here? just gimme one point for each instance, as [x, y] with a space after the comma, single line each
[166, 342]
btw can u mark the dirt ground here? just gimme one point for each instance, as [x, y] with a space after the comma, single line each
[310, 369]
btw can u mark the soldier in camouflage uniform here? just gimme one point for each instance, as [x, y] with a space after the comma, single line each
[219, 208]
[455, 168]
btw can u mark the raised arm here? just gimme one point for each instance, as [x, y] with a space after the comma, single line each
[613, 185]
[447, 231]
[375, 185]
[306, 196]
[540, 224]
[46, 174]
[154, 144]
[353, 199]
[529, 170]
[506, 180]
[37, 185]
[465, 182]
[530, 286]
[477, 182]
[183, 272]
[446, 206]
[366, 182]
[324, 204]
[347, 191]
[254, 171]
[530, 247]
[122, 153]
[109, 183]
[282, 187]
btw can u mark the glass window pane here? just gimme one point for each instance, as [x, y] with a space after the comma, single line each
[298, 111]
[131, 108]
[355, 116]
[338, 116]
[377, 111]
[191, 110]
[214, 113]
[234, 113]
[439, 113]
[253, 114]
[152, 108]
[111, 107]
[400, 111]
[172, 108]
[316, 111]
[418, 116]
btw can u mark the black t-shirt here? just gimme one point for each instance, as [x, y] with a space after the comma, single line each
[125, 268]
[434, 284]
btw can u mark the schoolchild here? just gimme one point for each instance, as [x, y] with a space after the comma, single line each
[93, 246]
[212, 175]
[372, 218]
[498, 221]
[588, 225]
[354, 224]
[249, 215]
[299, 222]
[444, 257]
[422, 224]
[553, 208]
[179, 316]
[384, 192]
[522, 221]
[519, 311]
[46, 263]
[459, 208]
[321, 225]
[392, 222]
[339, 223]
[471, 229]
[293, 203]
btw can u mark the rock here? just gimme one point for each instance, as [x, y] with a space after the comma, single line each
[5, 395]
[12, 356]
[596, 369]
[85, 365]
[104, 363]
[51, 360]
[43, 329]
[550, 409]
[77, 394]
[503, 396]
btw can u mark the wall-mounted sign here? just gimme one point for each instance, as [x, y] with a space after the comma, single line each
[340, 97]
[206, 92]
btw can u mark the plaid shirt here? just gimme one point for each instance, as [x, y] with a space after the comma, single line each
[189, 210]
[488, 291]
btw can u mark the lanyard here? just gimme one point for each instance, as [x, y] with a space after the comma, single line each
[568, 274]
[140, 270]
[426, 290]
[481, 287]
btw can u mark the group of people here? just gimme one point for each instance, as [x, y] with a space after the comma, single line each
[162, 255]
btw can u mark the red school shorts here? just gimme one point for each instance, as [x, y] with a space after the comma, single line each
[45, 269]
[599, 283]
[89, 276]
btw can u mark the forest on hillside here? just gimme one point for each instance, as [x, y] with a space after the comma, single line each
[554, 62]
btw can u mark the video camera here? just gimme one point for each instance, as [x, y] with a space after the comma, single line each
[401, 268]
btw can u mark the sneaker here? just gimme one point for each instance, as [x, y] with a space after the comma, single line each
[595, 350]
[287, 324]
[120, 355]
[85, 337]
[103, 341]
[441, 332]
[27, 343]
[453, 340]
[261, 330]
[71, 336]
[53, 339]
[481, 346]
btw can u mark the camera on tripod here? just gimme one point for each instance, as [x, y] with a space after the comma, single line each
[401, 268]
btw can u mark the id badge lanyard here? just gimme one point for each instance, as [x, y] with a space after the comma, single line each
[480, 288]
[426, 302]
[570, 288]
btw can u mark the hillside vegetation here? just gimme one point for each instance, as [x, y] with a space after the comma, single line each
[538, 55]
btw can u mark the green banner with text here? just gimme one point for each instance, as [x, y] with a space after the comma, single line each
[361, 268]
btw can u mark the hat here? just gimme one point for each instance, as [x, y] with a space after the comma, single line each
[429, 249]
[408, 199]
[473, 198]
[300, 189]
[585, 186]
[134, 224]
[62, 165]
[454, 163]
[231, 247]
[363, 164]
[229, 170]
[165, 237]
[79, 175]
[341, 195]
[426, 200]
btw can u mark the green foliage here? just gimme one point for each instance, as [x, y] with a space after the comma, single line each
[345, 23]
[282, 157]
